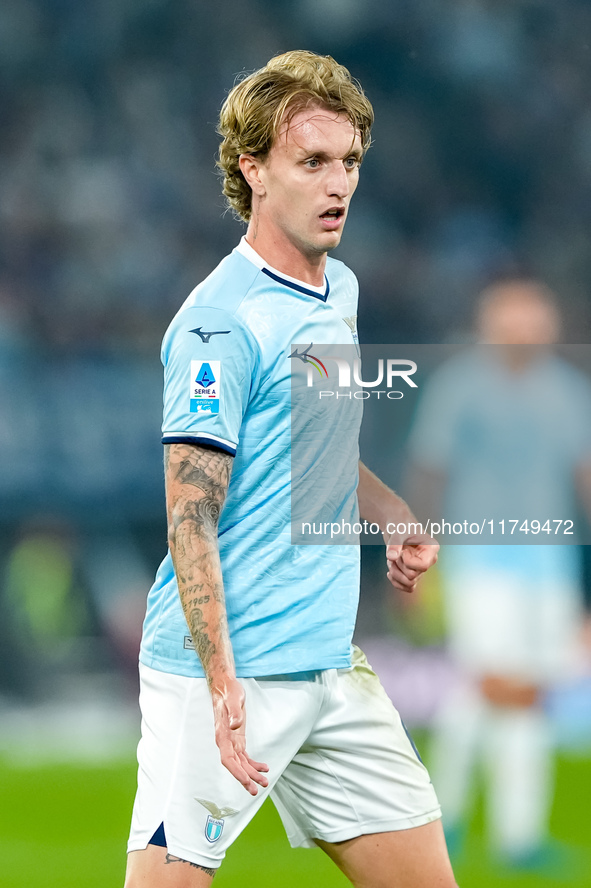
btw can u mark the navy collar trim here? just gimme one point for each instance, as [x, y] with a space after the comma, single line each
[297, 287]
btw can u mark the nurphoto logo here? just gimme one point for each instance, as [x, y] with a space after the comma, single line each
[347, 375]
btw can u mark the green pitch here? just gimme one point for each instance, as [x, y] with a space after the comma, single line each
[66, 827]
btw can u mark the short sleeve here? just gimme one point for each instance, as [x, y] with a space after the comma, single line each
[210, 367]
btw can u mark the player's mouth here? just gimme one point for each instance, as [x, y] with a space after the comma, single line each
[332, 218]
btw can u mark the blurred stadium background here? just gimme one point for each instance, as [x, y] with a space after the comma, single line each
[110, 213]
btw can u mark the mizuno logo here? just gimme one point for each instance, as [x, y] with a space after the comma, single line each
[206, 336]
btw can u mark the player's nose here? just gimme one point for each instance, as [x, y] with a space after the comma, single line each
[338, 181]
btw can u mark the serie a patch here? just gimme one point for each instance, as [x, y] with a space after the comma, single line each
[205, 386]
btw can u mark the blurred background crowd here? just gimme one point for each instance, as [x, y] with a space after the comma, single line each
[111, 211]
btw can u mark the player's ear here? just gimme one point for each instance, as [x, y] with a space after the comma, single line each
[250, 167]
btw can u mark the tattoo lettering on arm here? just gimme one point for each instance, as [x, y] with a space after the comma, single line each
[203, 600]
[170, 858]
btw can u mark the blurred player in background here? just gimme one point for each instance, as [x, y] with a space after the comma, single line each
[499, 428]
[238, 617]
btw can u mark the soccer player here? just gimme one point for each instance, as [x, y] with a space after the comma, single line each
[504, 429]
[241, 624]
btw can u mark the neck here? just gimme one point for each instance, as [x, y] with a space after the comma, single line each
[279, 251]
[518, 358]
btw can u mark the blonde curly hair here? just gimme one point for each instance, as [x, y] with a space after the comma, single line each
[257, 106]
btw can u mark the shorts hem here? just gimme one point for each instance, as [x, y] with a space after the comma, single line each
[191, 856]
[138, 844]
[301, 839]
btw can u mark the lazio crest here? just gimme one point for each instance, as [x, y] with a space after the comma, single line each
[213, 828]
[214, 825]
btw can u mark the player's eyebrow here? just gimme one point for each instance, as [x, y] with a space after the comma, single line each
[357, 153]
[324, 155]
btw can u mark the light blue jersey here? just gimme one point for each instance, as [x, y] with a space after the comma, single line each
[227, 366]
[508, 443]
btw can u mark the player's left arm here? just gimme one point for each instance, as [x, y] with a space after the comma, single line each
[409, 552]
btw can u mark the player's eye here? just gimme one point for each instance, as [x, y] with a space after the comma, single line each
[313, 163]
[352, 162]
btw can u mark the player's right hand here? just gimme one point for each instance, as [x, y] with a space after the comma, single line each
[230, 735]
[409, 558]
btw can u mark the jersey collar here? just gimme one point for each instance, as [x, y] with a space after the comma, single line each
[318, 292]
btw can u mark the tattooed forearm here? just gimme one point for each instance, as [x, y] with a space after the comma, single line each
[170, 858]
[203, 644]
[196, 484]
[194, 548]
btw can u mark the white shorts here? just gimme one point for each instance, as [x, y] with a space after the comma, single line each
[340, 762]
[500, 623]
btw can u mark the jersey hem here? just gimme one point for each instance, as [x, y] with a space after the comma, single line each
[174, 667]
